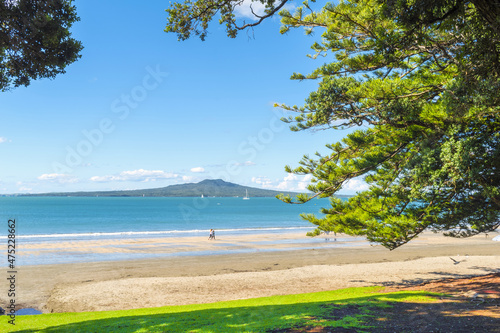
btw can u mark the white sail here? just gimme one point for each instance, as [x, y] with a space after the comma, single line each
[246, 197]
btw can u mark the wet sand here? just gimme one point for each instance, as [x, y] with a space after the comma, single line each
[263, 269]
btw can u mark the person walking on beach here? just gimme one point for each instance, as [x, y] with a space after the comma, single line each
[212, 234]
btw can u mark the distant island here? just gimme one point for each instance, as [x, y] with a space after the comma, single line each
[205, 188]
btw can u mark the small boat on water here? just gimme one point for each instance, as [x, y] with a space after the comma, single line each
[246, 197]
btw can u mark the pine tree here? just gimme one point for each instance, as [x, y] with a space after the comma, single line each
[418, 83]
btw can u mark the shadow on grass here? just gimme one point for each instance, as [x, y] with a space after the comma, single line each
[457, 316]
[438, 276]
[373, 313]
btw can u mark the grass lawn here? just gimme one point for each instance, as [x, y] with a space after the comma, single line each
[351, 308]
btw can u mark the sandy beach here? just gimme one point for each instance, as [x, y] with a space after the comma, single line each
[262, 269]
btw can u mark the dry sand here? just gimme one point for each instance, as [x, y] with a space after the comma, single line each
[177, 280]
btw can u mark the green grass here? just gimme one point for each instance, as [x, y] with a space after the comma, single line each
[353, 306]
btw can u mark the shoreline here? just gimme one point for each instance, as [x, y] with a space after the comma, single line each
[144, 248]
[175, 280]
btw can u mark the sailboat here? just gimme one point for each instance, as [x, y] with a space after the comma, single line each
[246, 197]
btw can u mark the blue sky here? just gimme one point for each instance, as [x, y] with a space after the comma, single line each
[141, 109]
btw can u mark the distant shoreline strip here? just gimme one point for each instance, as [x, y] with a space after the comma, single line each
[164, 232]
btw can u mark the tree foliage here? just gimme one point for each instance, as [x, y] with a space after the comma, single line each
[420, 86]
[418, 82]
[194, 16]
[35, 41]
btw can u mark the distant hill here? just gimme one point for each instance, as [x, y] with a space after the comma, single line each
[207, 188]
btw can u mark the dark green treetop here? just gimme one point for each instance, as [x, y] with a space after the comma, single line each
[35, 41]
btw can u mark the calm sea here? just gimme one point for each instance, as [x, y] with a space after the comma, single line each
[41, 219]
[50, 230]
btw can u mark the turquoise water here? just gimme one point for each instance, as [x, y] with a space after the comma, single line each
[48, 230]
[67, 218]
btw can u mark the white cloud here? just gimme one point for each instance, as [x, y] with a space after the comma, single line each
[198, 169]
[355, 185]
[291, 183]
[243, 10]
[304, 182]
[58, 178]
[2, 139]
[188, 178]
[25, 189]
[263, 182]
[140, 175]
[294, 183]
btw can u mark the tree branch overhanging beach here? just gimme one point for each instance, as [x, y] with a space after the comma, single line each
[413, 84]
